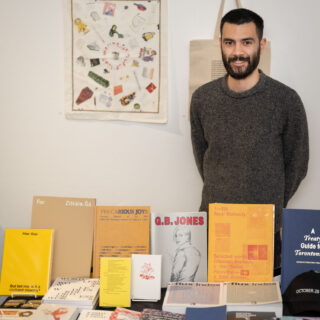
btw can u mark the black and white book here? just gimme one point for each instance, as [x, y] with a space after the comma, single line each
[153, 314]
[246, 315]
[80, 292]
[181, 239]
[179, 296]
[254, 297]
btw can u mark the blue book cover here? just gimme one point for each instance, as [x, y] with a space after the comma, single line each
[216, 313]
[300, 243]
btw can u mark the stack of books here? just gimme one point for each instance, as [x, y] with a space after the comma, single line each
[237, 296]
[80, 292]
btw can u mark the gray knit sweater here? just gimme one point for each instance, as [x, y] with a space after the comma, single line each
[250, 147]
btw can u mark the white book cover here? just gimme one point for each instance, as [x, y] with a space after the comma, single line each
[179, 296]
[80, 291]
[181, 239]
[146, 277]
[94, 315]
[254, 296]
[56, 312]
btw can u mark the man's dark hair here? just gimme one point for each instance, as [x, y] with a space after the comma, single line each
[242, 16]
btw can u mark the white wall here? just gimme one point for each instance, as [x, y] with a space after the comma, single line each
[121, 163]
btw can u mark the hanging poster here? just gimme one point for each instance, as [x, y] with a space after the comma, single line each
[116, 60]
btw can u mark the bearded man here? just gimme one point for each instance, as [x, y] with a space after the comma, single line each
[249, 132]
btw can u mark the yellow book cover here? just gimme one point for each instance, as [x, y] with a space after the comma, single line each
[26, 261]
[240, 242]
[115, 279]
[120, 232]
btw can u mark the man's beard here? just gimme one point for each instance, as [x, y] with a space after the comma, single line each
[237, 72]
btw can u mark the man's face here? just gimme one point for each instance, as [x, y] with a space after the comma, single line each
[240, 48]
[181, 237]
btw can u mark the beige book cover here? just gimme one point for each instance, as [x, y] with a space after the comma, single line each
[72, 219]
[119, 232]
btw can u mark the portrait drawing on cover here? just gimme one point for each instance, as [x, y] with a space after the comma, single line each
[186, 258]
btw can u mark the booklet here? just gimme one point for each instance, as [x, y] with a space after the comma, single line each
[115, 277]
[146, 277]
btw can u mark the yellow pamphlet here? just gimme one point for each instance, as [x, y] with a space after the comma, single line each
[120, 232]
[115, 279]
[240, 246]
[26, 262]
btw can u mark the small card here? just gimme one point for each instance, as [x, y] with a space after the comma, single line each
[146, 277]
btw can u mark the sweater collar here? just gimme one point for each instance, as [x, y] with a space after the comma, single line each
[260, 84]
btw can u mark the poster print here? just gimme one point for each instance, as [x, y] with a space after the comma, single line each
[116, 60]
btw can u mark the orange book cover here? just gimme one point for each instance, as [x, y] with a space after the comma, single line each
[119, 232]
[240, 244]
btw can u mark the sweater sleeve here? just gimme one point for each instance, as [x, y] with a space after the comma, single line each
[199, 142]
[295, 147]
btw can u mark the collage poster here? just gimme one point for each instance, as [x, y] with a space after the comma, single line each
[116, 60]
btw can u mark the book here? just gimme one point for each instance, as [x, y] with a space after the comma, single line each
[72, 219]
[94, 315]
[181, 239]
[26, 261]
[240, 242]
[240, 315]
[300, 243]
[16, 314]
[254, 297]
[217, 313]
[237, 296]
[146, 277]
[153, 314]
[181, 295]
[120, 232]
[80, 292]
[115, 282]
[122, 313]
[56, 312]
